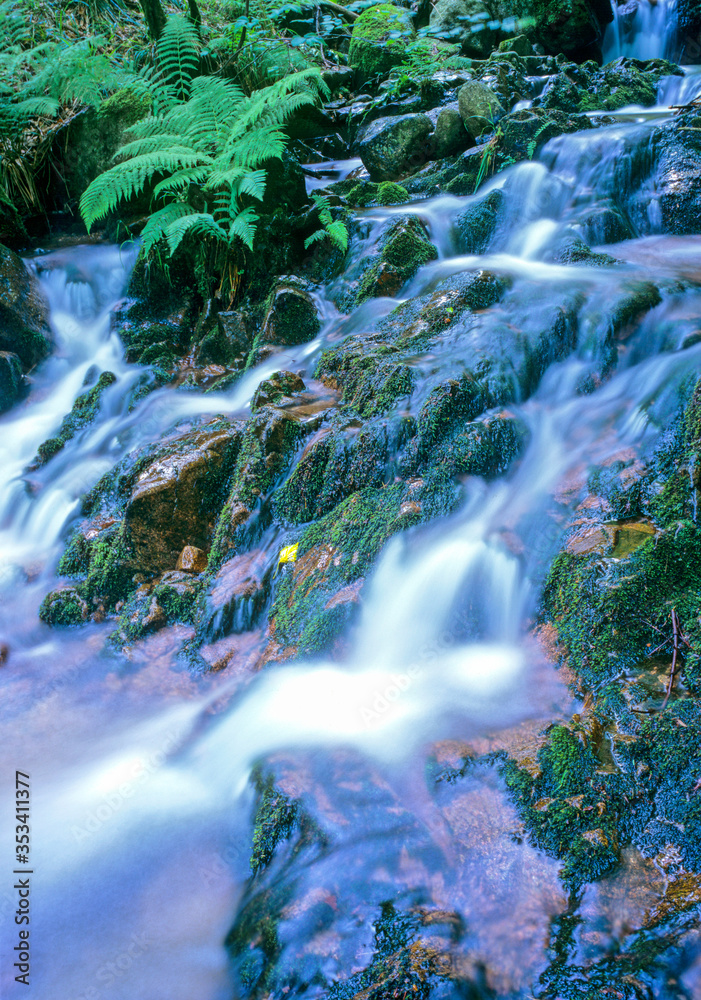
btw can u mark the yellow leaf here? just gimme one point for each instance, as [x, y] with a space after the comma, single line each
[288, 555]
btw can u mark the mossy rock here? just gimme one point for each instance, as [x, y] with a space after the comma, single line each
[64, 607]
[11, 380]
[379, 40]
[24, 316]
[403, 249]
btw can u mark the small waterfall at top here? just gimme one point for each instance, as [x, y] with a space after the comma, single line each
[641, 29]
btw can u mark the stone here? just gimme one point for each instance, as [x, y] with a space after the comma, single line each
[192, 560]
[677, 178]
[403, 249]
[474, 25]
[476, 225]
[227, 344]
[12, 231]
[63, 607]
[574, 27]
[292, 316]
[521, 45]
[94, 136]
[172, 503]
[480, 109]
[450, 135]
[394, 147]
[277, 390]
[379, 40]
[11, 380]
[24, 314]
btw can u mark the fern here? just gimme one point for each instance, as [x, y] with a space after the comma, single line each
[332, 229]
[201, 153]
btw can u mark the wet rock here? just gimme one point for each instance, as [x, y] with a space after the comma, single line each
[379, 40]
[64, 607]
[525, 132]
[151, 608]
[12, 231]
[192, 560]
[174, 500]
[94, 136]
[450, 135]
[604, 224]
[480, 109]
[11, 380]
[277, 390]
[677, 177]
[24, 317]
[394, 147]
[292, 316]
[270, 439]
[620, 84]
[226, 345]
[84, 411]
[237, 595]
[574, 27]
[520, 44]
[471, 23]
[476, 226]
[403, 249]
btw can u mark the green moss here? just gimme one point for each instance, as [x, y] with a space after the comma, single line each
[403, 249]
[379, 39]
[63, 607]
[373, 377]
[276, 819]
[85, 409]
[389, 193]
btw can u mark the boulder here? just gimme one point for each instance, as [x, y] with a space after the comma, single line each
[94, 136]
[227, 344]
[12, 231]
[677, 179]
[476, 225]
[394, 147]
[574, 27]
[65, 607]
[173, 504]
[379, 40]
[480, 109]
[402, 250]
[237, 596]
[620, 84]
[525, 132]
[24, 315]
[11, 380]
[292, 316]
[450, 135]
[689, 24]
[474, 25]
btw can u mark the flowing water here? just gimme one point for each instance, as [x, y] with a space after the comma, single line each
[140, 771]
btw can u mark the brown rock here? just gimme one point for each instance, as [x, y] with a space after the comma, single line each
[192, 560]
[173, 503]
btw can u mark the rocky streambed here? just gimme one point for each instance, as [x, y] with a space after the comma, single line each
[353, 631]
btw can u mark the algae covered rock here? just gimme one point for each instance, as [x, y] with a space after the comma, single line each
[476, 225]
[475, 25]
[403, 249]
[379, 39]
[95, 135]
[11, 380]
[394, 147]
[450, 135]
[574, 27]
[64, 607]
[24, 317]
[480, 108]
[292, 316]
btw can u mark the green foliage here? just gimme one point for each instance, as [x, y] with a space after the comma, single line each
[42, 82]
[332, 229]
[200, 154]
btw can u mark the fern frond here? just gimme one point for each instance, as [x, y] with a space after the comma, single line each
[155, 229]
[126, 180]
[180, 180]
[243, 226]
[199, 223]
[177, 52]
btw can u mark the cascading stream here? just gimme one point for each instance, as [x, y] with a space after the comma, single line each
[130, 829]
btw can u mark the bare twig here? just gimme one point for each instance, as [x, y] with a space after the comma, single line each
[675, 655]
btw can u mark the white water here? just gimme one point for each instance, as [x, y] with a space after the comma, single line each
[648, 34]
[140, 773]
